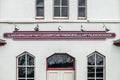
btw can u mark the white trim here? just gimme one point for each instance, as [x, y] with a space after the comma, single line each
[60, 6]
[59, 21]
[95, 66]
[109, 21]
[1, 40]
[24, 66]
[38, 6]
[79, 17]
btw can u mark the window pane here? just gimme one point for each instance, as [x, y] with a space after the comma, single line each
[21, 79]
[91, 60]
[64, 11]
[99, 79]
[81, 12]
[40, 2]
[21, 60]
[30, 79]
[21, 72]
[57, 2]
[60, 61]
[99, 60]
[99, 74]
[91, 74]
[91, 69]
[30, 60]
[30, 72]
[57, 11]
[91, 79]
[64, 2]
[99, 69]
[40, 11]
[81, 2]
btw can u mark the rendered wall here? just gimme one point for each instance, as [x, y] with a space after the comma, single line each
[42, 49]
[25, 10]
[13, 10]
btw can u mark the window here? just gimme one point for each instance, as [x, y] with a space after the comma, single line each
[60, 66]
[25, 66]
[81, 8]
[60, 60]
[39, 8]
[96, 66]
[61, 8]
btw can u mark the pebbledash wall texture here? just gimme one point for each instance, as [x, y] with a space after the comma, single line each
[59, 39]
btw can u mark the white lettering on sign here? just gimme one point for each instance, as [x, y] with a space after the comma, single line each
[46, 35]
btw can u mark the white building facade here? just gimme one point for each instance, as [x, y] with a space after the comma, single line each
[56, 57]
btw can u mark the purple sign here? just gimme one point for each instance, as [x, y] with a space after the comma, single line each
[59, 35]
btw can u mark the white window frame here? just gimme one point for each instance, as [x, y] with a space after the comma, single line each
[60, 17]
[37, 6]
[82, 18]
[104, 67]
[17, 66]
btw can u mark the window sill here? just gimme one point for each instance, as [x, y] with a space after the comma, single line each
[39, 18]
[60, 18]
[82, 18]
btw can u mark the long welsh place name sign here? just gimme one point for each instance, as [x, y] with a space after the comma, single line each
[59, 35]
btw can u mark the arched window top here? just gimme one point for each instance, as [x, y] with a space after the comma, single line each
[96, 59]
[25, 66]
[96, 66]
[25, 59]
[60, 60]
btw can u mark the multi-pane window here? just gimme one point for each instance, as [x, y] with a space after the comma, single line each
[61, 8]
[60, 60]
[60, 66]
[25, 67]
[39, 8]
[96, 67]
[82, 8]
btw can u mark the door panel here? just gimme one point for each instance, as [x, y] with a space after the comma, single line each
[60, 75]
[52, 76]
[68, 76]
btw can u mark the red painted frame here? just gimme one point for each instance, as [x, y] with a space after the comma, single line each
[2, 43]
[117, 43]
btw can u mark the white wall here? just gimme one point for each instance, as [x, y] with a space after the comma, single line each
[25, 10]
[42, 49]
[4, 9]
[103, 9]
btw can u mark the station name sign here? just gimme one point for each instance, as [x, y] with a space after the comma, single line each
[59, 35]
